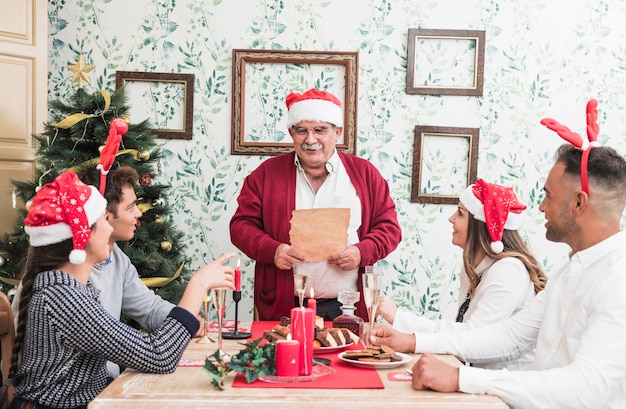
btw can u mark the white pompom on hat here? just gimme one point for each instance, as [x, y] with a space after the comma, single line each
[496, 206]
[64, 209]
[313, 105]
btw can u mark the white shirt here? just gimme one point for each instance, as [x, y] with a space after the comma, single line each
[504, 289]
[579, 325]
[337, 191]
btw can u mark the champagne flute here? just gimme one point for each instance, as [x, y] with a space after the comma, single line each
[300, 282]
[219, 300]
[206, 339]
[371, 293]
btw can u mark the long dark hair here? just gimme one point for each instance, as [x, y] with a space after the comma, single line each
[478, 240]
[38, 259]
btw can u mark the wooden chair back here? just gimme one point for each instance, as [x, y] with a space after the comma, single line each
[7, 335]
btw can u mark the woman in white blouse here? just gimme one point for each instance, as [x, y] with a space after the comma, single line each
[500, 275]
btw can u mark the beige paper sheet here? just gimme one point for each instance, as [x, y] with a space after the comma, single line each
[319, 233]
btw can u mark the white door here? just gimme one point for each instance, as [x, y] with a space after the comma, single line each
[23, 94]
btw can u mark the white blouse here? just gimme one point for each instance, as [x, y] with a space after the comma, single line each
[504, 289]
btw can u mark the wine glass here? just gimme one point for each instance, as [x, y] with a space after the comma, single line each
[219, 300]
[371, 293]
[206, 339]
[300, 282]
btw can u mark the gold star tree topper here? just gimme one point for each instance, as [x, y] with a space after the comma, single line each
[81, 72]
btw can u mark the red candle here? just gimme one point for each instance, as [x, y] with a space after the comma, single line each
[312, 303]
[303, 330]
[238, 276]
[287, 357]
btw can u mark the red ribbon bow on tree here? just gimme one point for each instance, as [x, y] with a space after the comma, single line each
[575, 139]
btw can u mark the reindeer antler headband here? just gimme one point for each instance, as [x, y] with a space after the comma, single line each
[584, 145]
[117, 128]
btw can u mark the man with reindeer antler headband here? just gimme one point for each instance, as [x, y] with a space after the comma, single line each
[578, 322]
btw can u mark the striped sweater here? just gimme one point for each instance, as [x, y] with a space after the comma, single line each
[70, 337]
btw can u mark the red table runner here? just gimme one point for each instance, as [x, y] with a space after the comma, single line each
[345, 376]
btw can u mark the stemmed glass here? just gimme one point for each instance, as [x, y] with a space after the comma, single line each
[206, 339]
[300, 281]
[371, 293]
[219, 300]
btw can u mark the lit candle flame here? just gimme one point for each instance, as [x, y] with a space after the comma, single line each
[238, 262]
[312, 295]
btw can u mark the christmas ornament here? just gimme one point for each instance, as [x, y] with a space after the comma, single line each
[81, 72]
[145, 180]
[144, 207]
[144, 155]
[158, 220]
[159, 201]
[166, 246]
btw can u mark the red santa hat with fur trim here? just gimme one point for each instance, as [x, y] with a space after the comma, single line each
[495, 205]
[314, 105]
[64, 209]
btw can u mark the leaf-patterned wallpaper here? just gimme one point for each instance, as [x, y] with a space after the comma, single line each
[544, 58]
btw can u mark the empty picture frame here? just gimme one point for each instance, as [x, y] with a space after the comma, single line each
[445, 62]
[262, 79]
[164, 99]
[444, 163]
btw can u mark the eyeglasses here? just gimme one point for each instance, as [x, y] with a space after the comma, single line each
[318, 131]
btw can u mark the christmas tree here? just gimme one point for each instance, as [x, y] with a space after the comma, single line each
[74, 140]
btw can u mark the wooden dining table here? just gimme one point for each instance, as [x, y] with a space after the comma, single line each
[190, 387]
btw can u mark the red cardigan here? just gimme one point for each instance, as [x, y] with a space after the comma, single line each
[261, 223]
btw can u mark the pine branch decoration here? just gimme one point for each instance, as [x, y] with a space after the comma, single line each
[253, 360]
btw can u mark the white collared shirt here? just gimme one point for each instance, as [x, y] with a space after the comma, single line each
[337, 191]
[504, 289]
[579, 325]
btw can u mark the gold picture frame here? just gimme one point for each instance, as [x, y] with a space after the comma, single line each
[262, 79]
[167, 99]
[445, 62]
[444, 163]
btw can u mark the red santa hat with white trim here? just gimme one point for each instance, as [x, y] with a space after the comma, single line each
[495, 205]
[314, 105]
[64, 209]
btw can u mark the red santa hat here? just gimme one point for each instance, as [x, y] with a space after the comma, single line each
[313, 105]
[495, 205]
[64, 209]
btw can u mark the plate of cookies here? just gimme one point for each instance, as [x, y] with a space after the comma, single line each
[375, 357]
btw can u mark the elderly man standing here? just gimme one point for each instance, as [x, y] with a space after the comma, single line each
[314, 175]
